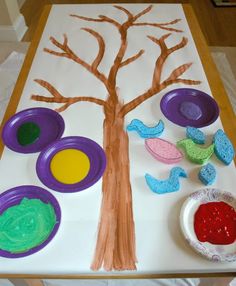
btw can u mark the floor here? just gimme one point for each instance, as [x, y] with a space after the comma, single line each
[125, 282]
[217, 23]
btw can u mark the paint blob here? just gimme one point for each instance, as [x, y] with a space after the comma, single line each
[70, 166]
[190, 110]
[215, 222]
[28, 133]
[26, 225]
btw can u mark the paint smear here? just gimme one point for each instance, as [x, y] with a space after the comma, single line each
[70, 166]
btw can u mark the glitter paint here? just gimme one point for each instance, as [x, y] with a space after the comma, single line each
[215, 222]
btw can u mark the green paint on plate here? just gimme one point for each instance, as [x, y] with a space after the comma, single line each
[26, 225]
[28, 133]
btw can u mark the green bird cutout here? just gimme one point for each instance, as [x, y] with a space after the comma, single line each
[195, 153]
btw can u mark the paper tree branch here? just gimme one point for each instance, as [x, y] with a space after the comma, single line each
[161, 25]
[68, 53]
[58, 98]
[101, 45]
[157, 85]
[145, 11]
[131, 20]
[131, 59]
[102, 18]
[127, 12]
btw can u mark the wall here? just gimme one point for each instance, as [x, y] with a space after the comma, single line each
[12, 23]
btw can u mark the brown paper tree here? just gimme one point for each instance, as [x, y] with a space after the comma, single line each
[115, 248]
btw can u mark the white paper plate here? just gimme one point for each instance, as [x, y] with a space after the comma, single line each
[221, 253]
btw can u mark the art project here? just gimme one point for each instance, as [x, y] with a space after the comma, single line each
[107, 70]
[116, 246]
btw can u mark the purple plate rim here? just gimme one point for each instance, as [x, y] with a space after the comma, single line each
[174, 119]
[15, 121]
[32, 192]
[92, 149]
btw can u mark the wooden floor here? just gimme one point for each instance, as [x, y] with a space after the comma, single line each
[218, 23]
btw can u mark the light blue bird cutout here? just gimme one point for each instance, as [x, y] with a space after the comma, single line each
[145, 131]
[166, 186]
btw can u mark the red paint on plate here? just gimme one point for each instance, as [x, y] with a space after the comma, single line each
[215, 222]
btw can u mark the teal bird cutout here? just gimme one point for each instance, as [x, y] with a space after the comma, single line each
[145, 131]
[195, 153]
[166, 186]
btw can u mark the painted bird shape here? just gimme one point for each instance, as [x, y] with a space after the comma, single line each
[166, 186]
[195, 153]
[146, 131]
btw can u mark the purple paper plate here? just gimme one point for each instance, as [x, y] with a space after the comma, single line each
[189, 107]
[14, 196]
[96, 156]
[51, 126]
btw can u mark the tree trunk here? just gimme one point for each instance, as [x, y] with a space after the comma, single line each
[115, 247]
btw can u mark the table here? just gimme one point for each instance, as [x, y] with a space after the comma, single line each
[76, 231]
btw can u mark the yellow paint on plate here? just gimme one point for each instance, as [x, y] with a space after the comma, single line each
[70, 166]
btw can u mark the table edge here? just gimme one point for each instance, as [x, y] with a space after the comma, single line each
[117, 276]
[217, 88]
[21, 80]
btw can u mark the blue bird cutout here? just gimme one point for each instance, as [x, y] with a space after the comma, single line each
[166, 186]
[145, 131]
